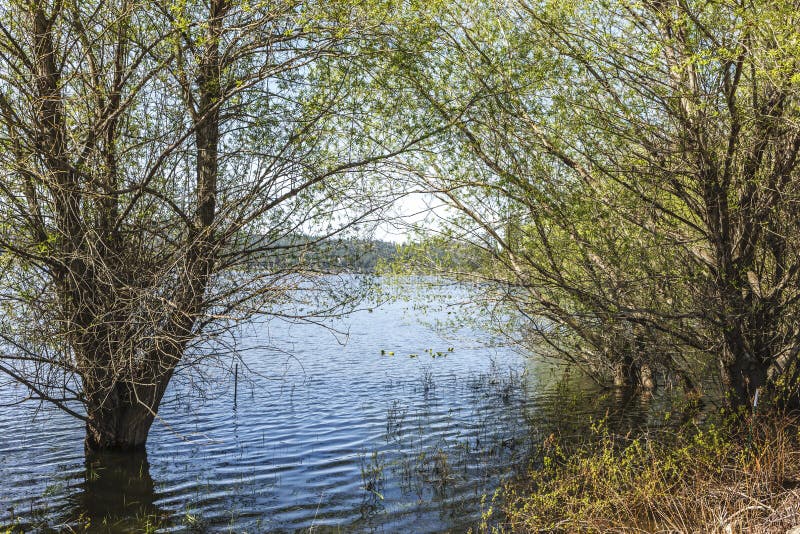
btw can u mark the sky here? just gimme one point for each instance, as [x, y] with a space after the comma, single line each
[416, 210]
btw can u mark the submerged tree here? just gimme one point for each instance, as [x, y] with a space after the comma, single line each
[635, 179]
[155, 156]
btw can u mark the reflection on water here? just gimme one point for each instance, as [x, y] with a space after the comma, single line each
[117, 493]
[396, 430]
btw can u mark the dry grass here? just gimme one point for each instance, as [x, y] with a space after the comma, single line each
[714, 479]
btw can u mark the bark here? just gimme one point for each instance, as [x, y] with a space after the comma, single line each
[122, 427]
[624, 373]
[119, 417]
[628, 373]
[646, 379]
[742, 375]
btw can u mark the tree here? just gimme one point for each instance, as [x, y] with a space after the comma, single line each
[153, 155]
[633, 179]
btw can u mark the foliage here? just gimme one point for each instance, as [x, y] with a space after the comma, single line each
[151, 152]
[629, 172]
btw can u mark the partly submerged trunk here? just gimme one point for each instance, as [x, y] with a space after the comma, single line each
[124, 428]
[631, 374]
[119, 418]
[630, 369]
[124, 378]
[624, 373]
[124, 405]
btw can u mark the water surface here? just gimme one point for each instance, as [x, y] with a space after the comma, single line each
[392, 427]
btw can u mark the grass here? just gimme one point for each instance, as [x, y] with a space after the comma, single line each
[721, 478]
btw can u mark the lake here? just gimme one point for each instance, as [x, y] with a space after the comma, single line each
[390, 426]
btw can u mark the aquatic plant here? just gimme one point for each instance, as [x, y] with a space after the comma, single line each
[395, 416]
[372, 474]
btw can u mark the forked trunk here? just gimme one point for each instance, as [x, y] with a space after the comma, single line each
[632, 374]
[624, 373]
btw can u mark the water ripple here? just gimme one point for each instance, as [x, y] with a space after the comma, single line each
[351, 439]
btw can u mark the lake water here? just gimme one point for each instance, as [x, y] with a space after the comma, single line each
[400, 429]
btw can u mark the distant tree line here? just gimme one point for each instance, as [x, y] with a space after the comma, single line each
[331, 255]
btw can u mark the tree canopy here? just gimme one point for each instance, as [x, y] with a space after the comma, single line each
[626, 169]
[630, 171]
[151, 151]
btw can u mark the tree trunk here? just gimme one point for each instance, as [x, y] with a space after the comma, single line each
[119, 418]
[123, 429]
[743, 379]
[742, 372]
[624, 373]
[628, 373]
[647, 380]
[122, 409]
